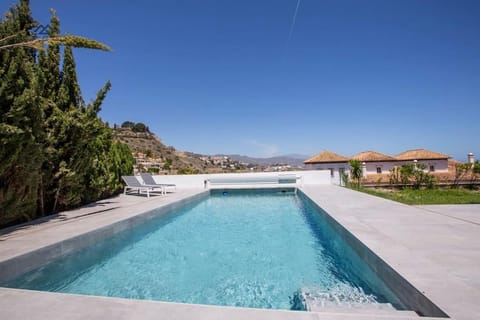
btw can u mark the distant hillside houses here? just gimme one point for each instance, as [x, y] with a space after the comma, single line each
[222, 161]
[377, 164]
[146, 163]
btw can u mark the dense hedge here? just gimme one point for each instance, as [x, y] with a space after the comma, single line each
[55, 151]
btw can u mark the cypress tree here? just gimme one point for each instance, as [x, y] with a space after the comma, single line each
[51, 66]
[49, 84]
[20, 120]
[55, 151]
[69, 92]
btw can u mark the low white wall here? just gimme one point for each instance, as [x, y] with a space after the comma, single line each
[334, 170]
[309, 177]
[314, 177]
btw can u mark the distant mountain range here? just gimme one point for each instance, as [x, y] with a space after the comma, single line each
[150, 145]
[291, 159]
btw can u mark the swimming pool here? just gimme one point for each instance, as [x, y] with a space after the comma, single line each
[233, 248]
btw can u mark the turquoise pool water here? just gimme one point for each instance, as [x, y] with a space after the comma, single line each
[244, 249]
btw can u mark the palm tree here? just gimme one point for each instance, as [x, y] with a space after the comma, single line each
[356, 171]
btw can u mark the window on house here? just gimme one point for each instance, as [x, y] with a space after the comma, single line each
[379, 170]
[331, 172]
[432, 168]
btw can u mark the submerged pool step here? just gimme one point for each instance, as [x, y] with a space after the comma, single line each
[400, 315]
[363, 311]
[384, 310]
[342, 307]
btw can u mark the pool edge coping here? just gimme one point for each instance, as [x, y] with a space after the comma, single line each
[124, 224]
[403, 289]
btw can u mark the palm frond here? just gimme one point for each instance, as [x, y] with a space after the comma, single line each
[73, 41]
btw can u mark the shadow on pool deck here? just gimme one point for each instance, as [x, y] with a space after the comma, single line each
[94, 208]
[63, 216]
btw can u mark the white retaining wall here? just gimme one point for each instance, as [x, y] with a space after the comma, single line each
[310, 177]
[335, 170]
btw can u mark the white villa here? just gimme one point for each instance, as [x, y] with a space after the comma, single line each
[435, 162]
[376, 164]
[327, 160]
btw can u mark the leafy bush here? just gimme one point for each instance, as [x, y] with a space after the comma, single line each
[140, 127]
[412, 175]
[345, 179]
[188, 170]
[128, 124]
[167, 165]
[153, 170]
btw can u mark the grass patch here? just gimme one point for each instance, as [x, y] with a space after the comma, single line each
[427, 196]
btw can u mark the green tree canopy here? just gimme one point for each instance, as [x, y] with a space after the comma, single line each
[140, 127]
[56, 152]
[128, 124]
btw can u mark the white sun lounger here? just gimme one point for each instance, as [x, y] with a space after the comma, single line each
[132, 183]
[148, 179]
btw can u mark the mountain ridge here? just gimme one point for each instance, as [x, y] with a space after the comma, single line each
[150, 150]
[289, 159]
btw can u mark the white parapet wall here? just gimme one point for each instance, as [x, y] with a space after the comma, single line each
[309, 177]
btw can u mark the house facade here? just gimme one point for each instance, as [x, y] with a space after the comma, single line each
[376, 165]
[375, 162]
[434, 161]
[326, 160]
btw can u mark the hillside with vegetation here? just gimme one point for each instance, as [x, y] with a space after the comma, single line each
[56, 153]
[154, 156]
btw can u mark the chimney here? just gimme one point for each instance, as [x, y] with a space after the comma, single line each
[364, 169]
[470, 158]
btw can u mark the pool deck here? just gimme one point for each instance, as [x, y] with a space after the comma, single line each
[436, 248]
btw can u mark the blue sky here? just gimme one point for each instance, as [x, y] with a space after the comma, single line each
[220, 76]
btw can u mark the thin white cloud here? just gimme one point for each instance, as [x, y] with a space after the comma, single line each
[263, 149]
[292, 27]
[294, 20]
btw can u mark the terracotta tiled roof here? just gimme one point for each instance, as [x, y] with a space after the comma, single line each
[420, 154]
[368, 156]
[454, 162]
[326, 157]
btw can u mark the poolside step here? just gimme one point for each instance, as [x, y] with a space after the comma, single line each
[401, 315]
[377, 310]
[325, 303]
